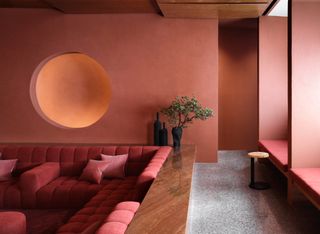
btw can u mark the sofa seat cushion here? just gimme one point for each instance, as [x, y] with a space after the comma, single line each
[101, 205]
[10, 195]
[309, 181]
[66, 192]
[278, 150]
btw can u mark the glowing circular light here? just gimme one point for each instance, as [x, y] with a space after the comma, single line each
[71, 90]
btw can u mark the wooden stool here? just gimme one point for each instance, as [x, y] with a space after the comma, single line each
[253, 184]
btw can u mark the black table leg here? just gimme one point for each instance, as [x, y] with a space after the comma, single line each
[256, 185]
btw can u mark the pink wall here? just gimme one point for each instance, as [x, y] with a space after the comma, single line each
[238, 53]
[149, 59]
[305, 101]
[273, 78]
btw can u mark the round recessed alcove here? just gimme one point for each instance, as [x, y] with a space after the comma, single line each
[70, 90]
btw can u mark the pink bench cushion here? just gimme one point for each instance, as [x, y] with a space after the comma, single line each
[100, 206]
[278, 150]
[10, 195]
[309, 180]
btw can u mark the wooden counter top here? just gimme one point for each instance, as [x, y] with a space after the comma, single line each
[165, 207]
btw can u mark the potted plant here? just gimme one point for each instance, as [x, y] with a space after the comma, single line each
[182, 112]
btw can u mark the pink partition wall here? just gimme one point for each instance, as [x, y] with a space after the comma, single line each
[273, 78]
[305, 101]
[149, 59]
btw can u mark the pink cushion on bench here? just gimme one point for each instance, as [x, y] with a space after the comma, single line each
[309, 180]
[278, 150]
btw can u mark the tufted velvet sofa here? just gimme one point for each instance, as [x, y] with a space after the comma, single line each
[47, 177]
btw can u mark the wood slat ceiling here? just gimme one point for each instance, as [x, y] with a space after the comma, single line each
[105, 6]
[224, 9]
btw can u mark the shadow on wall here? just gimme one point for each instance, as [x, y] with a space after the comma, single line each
[238, 94]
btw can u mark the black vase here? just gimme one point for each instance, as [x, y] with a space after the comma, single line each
[176, 135]
[163, 135]
[156, 130]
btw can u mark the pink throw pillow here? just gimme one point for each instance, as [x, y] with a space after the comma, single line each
[6, 168]
[116, 168]
[93, 171]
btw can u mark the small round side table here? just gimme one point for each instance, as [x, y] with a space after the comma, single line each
[253, 184]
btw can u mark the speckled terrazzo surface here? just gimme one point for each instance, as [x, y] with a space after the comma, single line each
[221, 201]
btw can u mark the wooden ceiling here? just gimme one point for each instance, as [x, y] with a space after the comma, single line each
[224, 9]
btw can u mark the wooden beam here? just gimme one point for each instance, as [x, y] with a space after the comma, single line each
[222, 11]
[105, 6]
[213, 1]
[24, 4]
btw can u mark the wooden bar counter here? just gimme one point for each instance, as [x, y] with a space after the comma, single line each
[165, 208]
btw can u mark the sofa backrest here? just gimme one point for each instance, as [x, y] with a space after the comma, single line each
[74, 158]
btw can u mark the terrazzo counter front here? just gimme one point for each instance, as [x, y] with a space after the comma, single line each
[165, 207]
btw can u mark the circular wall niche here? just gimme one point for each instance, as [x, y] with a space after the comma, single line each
[70, 90]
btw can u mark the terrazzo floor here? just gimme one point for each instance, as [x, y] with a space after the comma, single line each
[221, 201]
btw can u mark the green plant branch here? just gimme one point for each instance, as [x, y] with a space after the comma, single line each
[182, 107]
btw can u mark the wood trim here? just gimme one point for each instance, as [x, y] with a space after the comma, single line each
[294, 184]
[213, 1]
[290, 190]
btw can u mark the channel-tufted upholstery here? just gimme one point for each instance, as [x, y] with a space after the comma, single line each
[102, 204]
[73, 159]
[47, 177]
[66, 192]
[12, 222]
[10, 195]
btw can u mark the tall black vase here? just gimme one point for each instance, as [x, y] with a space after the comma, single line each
[163, 135]
[156, 130]
[176, 135]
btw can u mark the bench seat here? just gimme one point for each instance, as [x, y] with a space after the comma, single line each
[278, 150]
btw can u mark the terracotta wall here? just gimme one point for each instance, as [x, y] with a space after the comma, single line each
[305, 100]
[149, 59]
[273, 78]
[238, 127]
